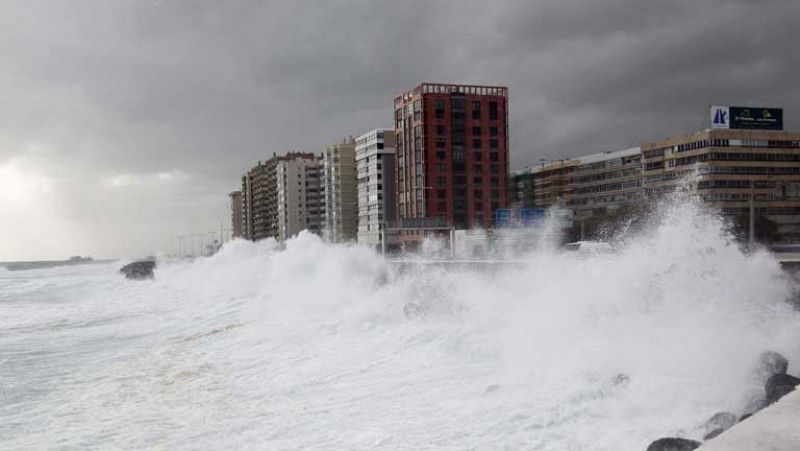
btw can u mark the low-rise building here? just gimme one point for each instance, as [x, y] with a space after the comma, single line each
[605, 181]
[552, 182]
[727, 168]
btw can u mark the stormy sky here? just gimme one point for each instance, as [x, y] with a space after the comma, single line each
[124, 124]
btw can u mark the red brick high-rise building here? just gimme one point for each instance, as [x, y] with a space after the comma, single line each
[452, 154]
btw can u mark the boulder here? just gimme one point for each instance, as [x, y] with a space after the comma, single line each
[770, 363]
[718, 423]
[779, 385]
[673, 444]
[139, 270]
[713, 433]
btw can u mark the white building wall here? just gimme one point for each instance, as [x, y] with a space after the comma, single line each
[375, 177]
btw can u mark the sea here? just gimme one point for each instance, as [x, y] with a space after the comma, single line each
[310, 345]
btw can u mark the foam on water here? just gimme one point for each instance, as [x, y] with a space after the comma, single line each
[258, 347]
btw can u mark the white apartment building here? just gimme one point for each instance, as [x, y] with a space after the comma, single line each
[339, 181]
[375, 153]
[299, 197]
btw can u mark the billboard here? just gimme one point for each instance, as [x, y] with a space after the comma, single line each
[746, 118]
[503, 218]
[508, 218]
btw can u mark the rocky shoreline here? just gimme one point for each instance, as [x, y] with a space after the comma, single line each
[771, 370]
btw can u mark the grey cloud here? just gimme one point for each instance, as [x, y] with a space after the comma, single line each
[96, 90]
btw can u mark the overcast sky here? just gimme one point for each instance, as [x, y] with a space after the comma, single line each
[124, 124]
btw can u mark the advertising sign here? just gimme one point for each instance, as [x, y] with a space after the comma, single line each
[531, 216]
[503, 218]
[756, 118]
[720, 117]
[746, 118]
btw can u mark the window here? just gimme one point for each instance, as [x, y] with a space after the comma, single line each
[492, 131]
[476, 109]
[476, 143]
[440, 130]
[493, 111]
[439, 109]
[494, 156]
[493, 144]
[441, 143]
[476, 131]
[477, 156]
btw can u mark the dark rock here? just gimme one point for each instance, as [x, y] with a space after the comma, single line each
[139, 270]
[673, 444]
[770, 363]
[718, 423]
[621, 379]
[779, 385]
[755, 403]
[713, 433]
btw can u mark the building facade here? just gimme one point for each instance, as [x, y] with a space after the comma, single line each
[298, 195]
[375, 156]
[452, 154]
[340, 191]
[605, 181]
[259, 201]
[520, 189]
[237, 214]
[552, 182]
[727, 168]
[281, 197]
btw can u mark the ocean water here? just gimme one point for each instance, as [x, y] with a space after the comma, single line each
[317, 346]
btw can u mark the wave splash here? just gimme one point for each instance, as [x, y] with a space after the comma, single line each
[315, 346]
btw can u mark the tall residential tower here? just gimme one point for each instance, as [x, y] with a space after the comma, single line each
[339, 182]
[375, 155]
[452, 153]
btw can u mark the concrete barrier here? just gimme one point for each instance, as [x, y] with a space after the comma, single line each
[775, 428]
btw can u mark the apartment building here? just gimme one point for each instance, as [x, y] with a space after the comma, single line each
[298, 195]
[452, 155]
[237, 214]
[259, 201]
[281, 197]
[340, 191]
[375, 156]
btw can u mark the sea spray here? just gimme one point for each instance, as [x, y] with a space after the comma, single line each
[311, 345]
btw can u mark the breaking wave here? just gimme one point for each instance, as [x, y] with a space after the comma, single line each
[332, 347]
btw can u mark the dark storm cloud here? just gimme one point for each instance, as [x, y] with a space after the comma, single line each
[139, 116]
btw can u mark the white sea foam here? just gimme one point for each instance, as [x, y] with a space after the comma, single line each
[309, 347]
